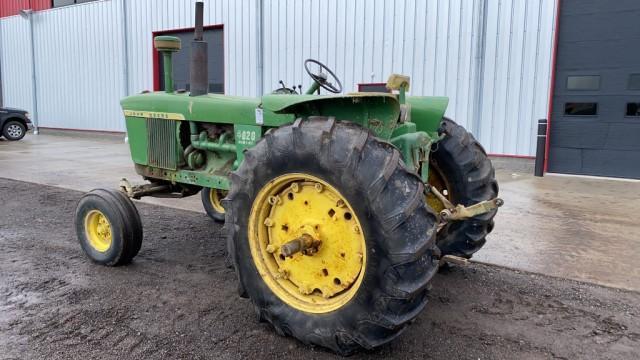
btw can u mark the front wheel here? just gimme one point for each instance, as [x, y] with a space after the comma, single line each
[212, 203]
[108, 227]
[14, 130]
[330, 236]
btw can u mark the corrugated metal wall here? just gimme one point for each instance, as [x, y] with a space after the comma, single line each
[364, 41]
[496, 73]
[516, 76]
[15, 57]
[79, 65]
[491, 57]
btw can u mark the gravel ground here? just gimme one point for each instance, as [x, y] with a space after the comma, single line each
[179, 300]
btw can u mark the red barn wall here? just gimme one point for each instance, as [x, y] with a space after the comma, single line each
[11, 7]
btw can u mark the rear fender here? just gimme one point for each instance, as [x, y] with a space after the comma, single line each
[376, 111]
[427, 112]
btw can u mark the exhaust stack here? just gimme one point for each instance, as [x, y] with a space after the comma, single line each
[199, 76]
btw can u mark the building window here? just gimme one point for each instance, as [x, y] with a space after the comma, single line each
[581, 109]
[583, 82]
[59, 3]
[634, 82]
[633, 109]
[373, 87]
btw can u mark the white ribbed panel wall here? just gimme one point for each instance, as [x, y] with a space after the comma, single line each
[79, 66]
[364, 41]
[497, 79]
[15, 58]
[490, 57]
[517, 71]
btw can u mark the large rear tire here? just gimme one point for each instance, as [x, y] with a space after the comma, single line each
[459, 167]
[379, 216]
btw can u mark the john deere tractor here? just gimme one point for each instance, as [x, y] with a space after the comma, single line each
[339, 209]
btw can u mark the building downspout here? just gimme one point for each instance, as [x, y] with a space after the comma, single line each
[125, 55]
[260, 47]
[125, 49]
[481, 30]
[34, 95]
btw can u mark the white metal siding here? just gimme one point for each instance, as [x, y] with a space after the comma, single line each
[15, 58]
[516, 76]
[79, 66]
[365, 41]
[490, 57]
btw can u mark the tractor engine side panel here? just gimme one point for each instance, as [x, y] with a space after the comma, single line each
[138, 141]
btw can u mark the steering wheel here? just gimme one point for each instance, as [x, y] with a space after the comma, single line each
[321, 77]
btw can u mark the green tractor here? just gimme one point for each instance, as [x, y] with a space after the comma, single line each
[339, 209]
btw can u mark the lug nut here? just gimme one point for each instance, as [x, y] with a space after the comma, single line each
[271, 248]
[356, 229]
[295, 188]
[340, 203]
[318, 187]
[268, 222]
[274, 200]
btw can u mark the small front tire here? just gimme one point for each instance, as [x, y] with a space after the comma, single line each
[212, 203]
[108, 227]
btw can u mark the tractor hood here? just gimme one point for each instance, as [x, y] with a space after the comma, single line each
[379, 112]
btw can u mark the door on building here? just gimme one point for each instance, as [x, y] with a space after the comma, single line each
[215, 39]
[595, 123]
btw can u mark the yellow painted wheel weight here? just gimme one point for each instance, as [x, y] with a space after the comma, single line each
[307, 243]
[98, 230]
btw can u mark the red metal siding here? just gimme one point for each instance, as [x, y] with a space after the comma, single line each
[11, 7]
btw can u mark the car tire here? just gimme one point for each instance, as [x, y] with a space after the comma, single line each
[14, 130]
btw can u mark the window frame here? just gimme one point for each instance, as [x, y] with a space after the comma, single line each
[626, 105]
[597, 113]
[631, 75]
[566, 83]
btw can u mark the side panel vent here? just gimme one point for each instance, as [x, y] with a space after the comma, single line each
[162, 150]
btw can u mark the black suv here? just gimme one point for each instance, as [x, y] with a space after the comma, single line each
[14, 123]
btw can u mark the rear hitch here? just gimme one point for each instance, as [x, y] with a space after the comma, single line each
[452, 259]
[461, 212]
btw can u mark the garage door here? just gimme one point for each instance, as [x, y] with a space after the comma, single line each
[595, 123]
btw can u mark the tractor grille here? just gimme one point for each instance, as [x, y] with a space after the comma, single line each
[161, 144]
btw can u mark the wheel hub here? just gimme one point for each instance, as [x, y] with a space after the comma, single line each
[307, 243]
[14, 130]
[98, 230]
[437, 180]
[215, 197]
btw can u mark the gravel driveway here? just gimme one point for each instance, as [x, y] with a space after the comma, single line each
[178, 299]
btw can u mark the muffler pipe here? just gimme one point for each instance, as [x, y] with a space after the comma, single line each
[199, 76]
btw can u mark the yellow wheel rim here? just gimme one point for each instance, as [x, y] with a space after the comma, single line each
[437, 180]
[215, 197]
[322, 278]
[98, 230]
